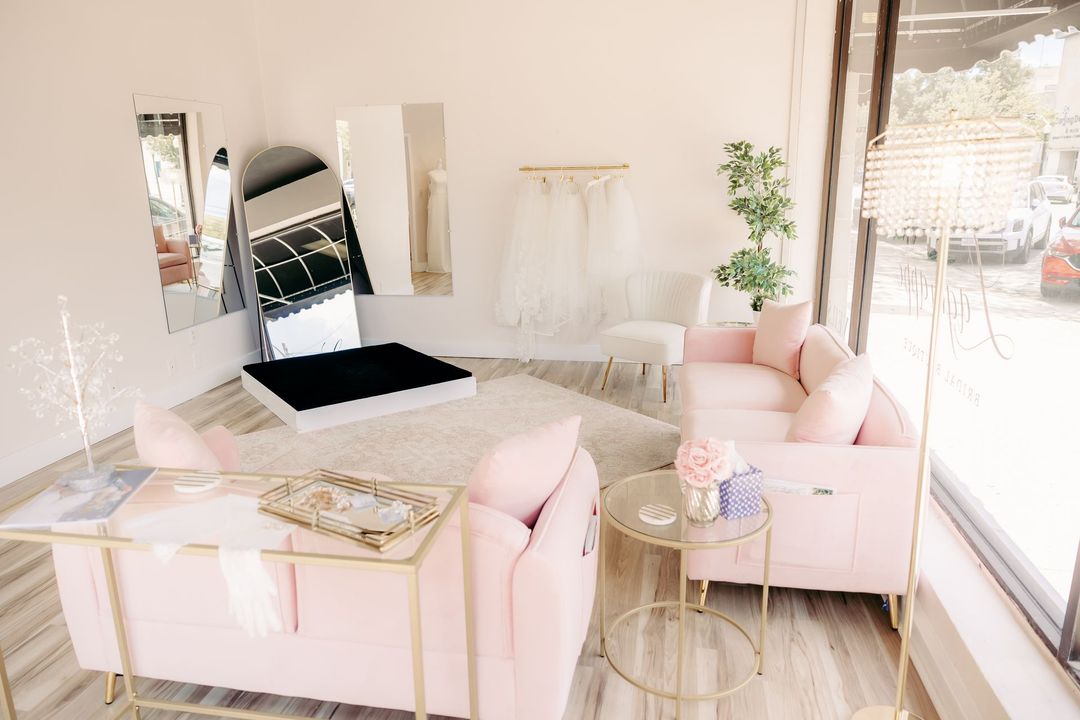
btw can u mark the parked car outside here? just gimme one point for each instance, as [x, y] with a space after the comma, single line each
[1059, 190]
[1061, 261]
[164, 214]
[1027, 225]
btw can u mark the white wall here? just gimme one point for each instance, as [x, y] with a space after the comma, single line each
[377, 138]
[662, 87]
[73, 211]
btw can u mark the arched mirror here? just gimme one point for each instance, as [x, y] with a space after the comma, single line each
[189, 189]
[301, 242]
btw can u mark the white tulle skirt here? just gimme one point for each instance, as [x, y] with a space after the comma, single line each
[567, 257]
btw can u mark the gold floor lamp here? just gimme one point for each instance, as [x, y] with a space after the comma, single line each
[946, 179]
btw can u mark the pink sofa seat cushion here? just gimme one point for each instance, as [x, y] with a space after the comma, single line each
[723, 424]
[162, 439]
[739, 386]
[780, 334]
[519, 474]
[835, 411]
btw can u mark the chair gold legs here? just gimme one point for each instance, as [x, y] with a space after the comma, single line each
[110, 688]
[607, 371]
[704, 592]
[894, 612]
[664, 369]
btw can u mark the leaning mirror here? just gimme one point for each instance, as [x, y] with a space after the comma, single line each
[301, 242]
[393, 164]
[185, 163]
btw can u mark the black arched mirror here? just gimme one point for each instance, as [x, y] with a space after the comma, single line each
[306, 261]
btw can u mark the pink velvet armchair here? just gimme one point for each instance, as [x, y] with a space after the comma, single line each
[855, 540]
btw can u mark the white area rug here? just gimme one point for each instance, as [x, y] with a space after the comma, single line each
[442, 443]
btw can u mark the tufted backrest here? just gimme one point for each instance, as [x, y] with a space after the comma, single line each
[675, 297]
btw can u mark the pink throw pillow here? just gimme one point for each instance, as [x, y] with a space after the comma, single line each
[834, 413]
[780, 334]
[519, 474]
[162, 439]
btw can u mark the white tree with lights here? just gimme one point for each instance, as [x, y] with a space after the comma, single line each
[71, 378]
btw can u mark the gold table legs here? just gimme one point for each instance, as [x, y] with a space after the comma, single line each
[110, 688]
[682, 607]
[5, 690]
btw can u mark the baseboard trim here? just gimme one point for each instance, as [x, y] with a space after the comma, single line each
[974, 651]
[553, 351]
[23, 462]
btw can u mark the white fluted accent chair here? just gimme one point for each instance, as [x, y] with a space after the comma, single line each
[661, 306]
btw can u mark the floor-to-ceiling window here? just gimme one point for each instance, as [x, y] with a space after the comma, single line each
[1003, 440]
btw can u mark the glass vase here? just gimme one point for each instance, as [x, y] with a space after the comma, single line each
[702, 504]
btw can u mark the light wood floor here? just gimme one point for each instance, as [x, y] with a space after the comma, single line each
[431, 283]
[828, 654]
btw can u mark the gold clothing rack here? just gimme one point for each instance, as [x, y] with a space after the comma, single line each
[575, 168]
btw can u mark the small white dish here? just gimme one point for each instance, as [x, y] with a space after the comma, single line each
[195, 483]
[657, 514]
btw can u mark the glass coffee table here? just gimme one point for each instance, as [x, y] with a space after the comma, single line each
[620, 508]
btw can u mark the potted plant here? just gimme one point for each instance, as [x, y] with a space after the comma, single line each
[762, 201]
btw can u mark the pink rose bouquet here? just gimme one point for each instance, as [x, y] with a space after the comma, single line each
[703, 462]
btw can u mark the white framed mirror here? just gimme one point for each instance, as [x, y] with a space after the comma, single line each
[392, 161]
[185, 163]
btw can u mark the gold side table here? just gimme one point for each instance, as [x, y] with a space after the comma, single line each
[405, 559]
[619, 511]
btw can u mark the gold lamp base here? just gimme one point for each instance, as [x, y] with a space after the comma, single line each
[882, 712]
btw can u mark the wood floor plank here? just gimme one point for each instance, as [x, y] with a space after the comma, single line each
[827, 654]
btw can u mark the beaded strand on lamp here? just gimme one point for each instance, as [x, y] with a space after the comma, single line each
[939, 180]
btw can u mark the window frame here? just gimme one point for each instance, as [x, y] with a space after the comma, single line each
[1020, 580]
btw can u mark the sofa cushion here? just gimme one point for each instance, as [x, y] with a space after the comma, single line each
[760, 425]
[780, 334]
[835, 411]
[738, 386]
[821, 352]
[162, 439]
[168, 259]
[887, 423]
[648, 341]
[519, 474]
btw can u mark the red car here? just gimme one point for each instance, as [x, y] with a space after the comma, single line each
[1061, 262]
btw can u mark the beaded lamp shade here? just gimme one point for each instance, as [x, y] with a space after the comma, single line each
[960, 176]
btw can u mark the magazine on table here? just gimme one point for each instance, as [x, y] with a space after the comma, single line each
[58, 504]
[793, 488]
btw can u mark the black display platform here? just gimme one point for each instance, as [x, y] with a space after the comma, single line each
[317, 391]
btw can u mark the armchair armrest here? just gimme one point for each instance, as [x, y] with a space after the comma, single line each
[719, 344]
[180, 247]
[554, 587]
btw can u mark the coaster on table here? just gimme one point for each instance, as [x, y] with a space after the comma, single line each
[657, 514]
[196, 482]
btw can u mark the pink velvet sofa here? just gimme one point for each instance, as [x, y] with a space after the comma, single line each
[345, 634]
[857, 539]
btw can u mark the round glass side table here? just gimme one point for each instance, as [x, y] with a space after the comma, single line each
[620, 508]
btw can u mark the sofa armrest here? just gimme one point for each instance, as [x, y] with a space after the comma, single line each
[224, 446]
[554, 587]
[719, 344]
[180, 247]
[845, 468]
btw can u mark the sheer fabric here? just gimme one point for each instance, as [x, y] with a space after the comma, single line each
[567, 256]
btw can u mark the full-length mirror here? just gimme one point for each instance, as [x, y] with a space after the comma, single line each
[188, 184]
[393, 164]
[300, 251]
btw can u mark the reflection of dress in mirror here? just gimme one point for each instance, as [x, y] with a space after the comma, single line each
[438, 226]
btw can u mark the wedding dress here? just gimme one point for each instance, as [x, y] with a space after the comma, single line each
[438, 224]
[627, 254]
[565, 295]
[523, 271]
[599, 253]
